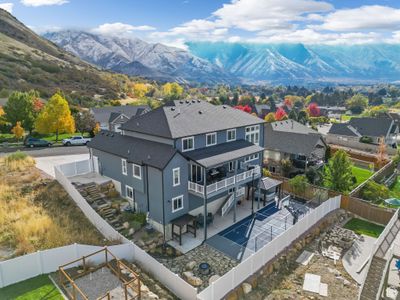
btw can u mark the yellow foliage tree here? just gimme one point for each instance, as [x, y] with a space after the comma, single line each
[270, 117]
[18, 131]
[96, 128]
[172, 90]
[55, 117]
[2, 115]
[140, 90]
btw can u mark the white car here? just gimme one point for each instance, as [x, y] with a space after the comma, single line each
[75, 140]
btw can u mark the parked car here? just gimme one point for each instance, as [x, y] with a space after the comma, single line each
[34, 142]
[75, 140]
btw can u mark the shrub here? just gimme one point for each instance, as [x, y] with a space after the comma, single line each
[298, 184]
[18, 161]
[374, 192]
[139, 218]
[366, 140]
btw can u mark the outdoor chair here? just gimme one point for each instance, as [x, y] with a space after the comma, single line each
[210, 218]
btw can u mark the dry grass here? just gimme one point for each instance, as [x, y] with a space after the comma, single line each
[36, 213]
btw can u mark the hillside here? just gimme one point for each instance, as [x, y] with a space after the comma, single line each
[29, 61]
[133, 56]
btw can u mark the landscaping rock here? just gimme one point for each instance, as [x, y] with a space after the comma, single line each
[126, 225]
[246, 288]
[190, 265]
[193, 280]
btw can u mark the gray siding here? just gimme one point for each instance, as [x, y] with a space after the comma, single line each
[155, 195]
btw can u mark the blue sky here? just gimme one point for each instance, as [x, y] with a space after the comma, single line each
[177, 21]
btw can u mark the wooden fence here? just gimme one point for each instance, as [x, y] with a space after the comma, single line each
[367, 210]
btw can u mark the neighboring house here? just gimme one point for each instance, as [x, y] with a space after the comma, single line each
[112, 117]
[262, 110]
[292, 140]
[350, 133]
[334, 112]
[181, 160]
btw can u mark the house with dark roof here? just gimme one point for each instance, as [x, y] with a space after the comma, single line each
[363, 129]
[183, 163]
[289, 139]
[112, 117]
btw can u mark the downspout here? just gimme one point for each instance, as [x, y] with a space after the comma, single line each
[234, 192]
[205, 204]
[147, 188]
[163, 206]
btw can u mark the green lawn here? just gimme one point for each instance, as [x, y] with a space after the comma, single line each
[395, 189]
[346, 118]
[361, 174]
[36, 288]
[364, 227]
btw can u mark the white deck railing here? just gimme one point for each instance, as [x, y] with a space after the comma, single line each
[222, 184]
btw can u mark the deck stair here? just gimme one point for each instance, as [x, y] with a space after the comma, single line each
[376, 274]
[228, 204]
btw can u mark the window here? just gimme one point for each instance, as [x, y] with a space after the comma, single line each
[253, 134]
[231, 135]
[137, 171]
[129, 192]
[124, 167]
[188, 144]
[196, 173]
[176, 174]
[211, 139]
[231, 166]
[177, 203]
[251, 157]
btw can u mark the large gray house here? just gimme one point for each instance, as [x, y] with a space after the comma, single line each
[185, 160]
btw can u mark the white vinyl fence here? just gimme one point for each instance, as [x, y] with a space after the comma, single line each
[219, 288]
[47, 261]
[172, 281]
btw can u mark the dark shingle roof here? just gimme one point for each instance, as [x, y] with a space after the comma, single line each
[115, 115]
[366, 126]
[267, 183]
[134, 150]
[102, 114]
[215, 155]
[290, 138]
[182, 118]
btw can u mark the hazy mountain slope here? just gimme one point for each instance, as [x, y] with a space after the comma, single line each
[29, 61]
[133, 56]
[285, 63]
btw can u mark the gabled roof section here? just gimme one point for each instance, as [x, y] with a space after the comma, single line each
[291, 137]
[375, 127]
[115, 115]
[103, 114]
[134, 150]
[344, 129]
[182, 118]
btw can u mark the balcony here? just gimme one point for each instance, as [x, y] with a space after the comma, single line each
[225, 183]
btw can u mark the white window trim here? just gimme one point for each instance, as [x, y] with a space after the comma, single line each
[211, 134]
[140, 171]
[124, 166]
[127, 187]
[252, 130]
[188, 138]
[252, 157]
[227, 135]
[229, 166]
[173, 176]
[172, 202]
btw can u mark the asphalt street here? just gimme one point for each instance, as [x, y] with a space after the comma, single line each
[50, 151]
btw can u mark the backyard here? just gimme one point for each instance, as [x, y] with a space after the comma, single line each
[360, 226]
[361, 174]
[394, 191]
[35, 211]
[39, 287]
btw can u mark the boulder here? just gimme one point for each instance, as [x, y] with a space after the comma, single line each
[126, 225]
[190, 265]
[246, 288]
[193, 280]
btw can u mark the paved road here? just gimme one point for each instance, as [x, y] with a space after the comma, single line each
[52, 151]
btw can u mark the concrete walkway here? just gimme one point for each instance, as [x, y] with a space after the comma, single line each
[355, 259]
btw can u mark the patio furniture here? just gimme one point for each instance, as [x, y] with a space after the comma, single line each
[210, 218]
[186, 220]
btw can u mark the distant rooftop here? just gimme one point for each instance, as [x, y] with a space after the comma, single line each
[102, 114]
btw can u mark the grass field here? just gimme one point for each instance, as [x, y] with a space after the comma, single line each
[364, 227]
[346, 118]
[394, 191]
[361, 174]
[36, 288]
[36, 213]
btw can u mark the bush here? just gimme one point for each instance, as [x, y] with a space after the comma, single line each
[298, 184]
[16, 156]
[139, 218]
[374, 192]
[366, 140]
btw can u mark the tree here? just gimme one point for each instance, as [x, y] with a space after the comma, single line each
[96, 128]
[302, 117]
[293, 115]
[381, 156]
[18, 131]
[280, 114]
[20, 108]
[245, 108]
[172, 91]
[357, 104]
[272, 102]
[374, 192]
[377, 111]
[140, 89]
[313, 110]
[55, 117]
[270, 117]
[286, 166]
[84, 121]
[298, 184]
[338, 172]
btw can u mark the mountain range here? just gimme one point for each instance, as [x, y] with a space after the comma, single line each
[298, 63]
[136, 57]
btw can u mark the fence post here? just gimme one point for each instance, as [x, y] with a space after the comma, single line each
[1, 277]
[76, 248]
[39, 261]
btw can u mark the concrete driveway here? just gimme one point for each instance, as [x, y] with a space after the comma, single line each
[47, 163]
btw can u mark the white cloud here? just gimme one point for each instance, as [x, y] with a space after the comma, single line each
[7, 6]
[36, 3]
[120, 28]
[373, 17]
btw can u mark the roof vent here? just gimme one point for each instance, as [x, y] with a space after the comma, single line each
[198, 101]
[200, 112]
[148, 156]
[173, 108]
[181, 102]
[224, 106]
[187, 101]
[193, 101]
